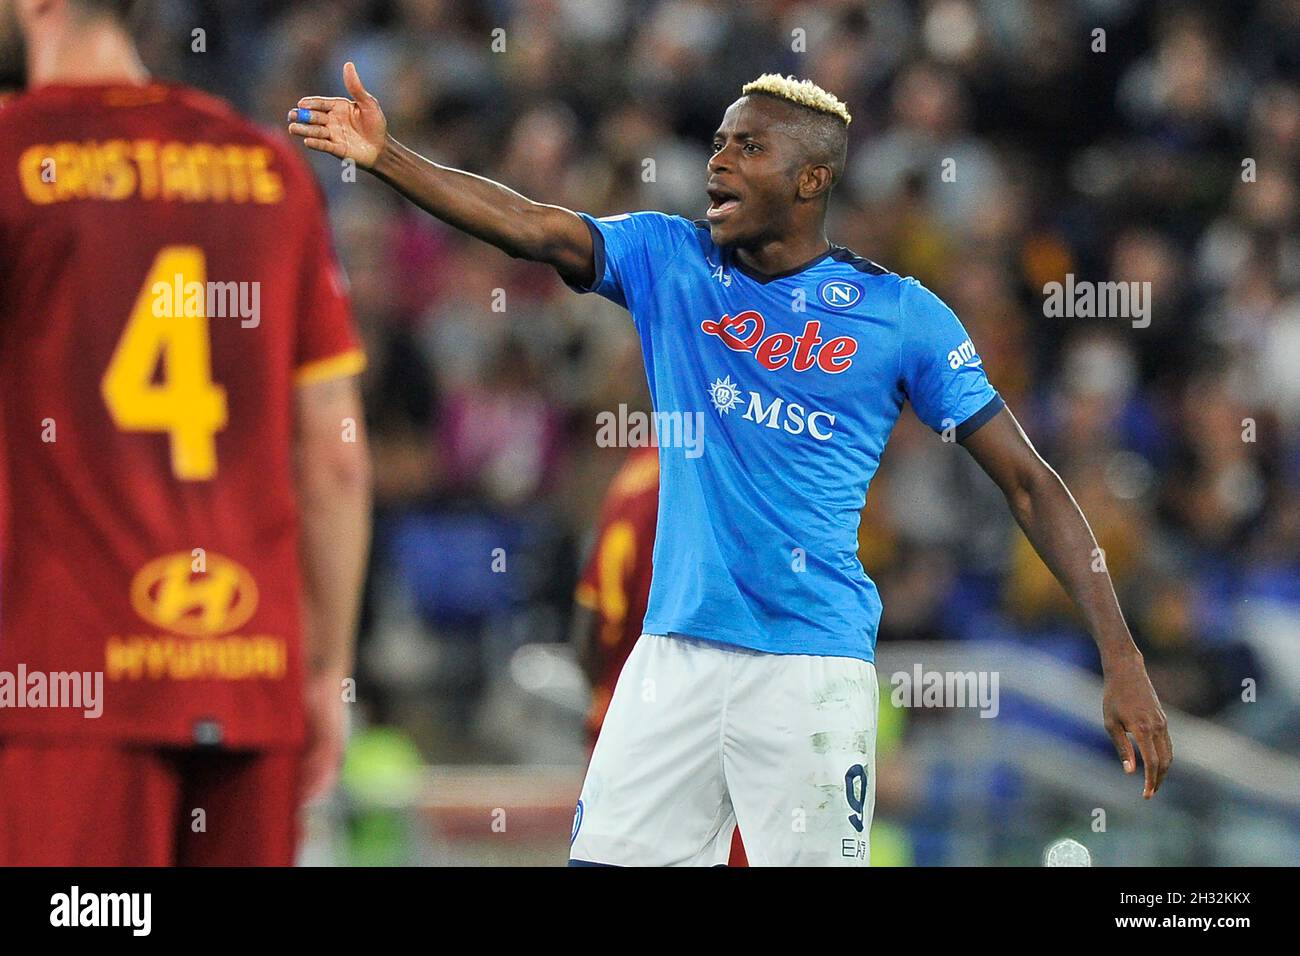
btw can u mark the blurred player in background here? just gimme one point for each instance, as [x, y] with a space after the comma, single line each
[186, 477]
[614, 587]
[12, 68]
[751, 698]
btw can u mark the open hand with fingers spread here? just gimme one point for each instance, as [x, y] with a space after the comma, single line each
[347, 128]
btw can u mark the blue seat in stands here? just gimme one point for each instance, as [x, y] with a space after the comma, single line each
[445, 561]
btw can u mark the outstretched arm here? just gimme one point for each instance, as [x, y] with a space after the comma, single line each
[356, 129]
[1055, 526]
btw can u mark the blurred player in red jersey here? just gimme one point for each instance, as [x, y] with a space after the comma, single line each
[186, 476]
[11, 80]
[614, 588]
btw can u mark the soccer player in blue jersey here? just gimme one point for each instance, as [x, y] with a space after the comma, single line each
[751, 697]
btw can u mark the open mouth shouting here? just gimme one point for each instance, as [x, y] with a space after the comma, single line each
[722, 203]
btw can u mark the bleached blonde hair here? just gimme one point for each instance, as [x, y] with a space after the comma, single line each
[800, 92]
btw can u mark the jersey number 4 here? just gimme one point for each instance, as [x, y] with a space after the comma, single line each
[183, 401]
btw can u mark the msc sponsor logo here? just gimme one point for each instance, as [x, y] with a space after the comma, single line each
[744, 332]
[790, 417]
[725, 395]
[839, 293]
[169, 594]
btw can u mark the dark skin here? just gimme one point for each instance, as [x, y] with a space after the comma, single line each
[777, 222]
[1054, 525]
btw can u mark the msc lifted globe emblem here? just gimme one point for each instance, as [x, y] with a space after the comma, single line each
[839, 293]
[169, 593]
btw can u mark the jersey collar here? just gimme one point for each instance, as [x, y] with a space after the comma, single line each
[764, 278]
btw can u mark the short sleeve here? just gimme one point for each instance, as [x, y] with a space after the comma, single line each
[631, 251]
[941, 372]
[327, 345]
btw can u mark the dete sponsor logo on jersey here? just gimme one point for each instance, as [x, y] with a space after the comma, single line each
[743, 332]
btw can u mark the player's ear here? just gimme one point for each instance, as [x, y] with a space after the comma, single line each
[814, 180]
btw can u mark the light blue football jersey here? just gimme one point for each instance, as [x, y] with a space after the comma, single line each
[797, 380]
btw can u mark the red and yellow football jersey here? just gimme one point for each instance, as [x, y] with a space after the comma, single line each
[615, 582]
[167, 280]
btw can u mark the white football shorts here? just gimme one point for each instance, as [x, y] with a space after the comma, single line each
[702, 736]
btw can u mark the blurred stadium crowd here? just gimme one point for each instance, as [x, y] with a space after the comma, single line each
[1181, 440]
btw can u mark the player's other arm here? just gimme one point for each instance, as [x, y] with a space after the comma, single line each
[356, 129]
[334, 489]
[1057, 529]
